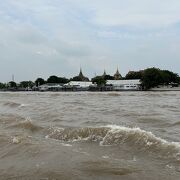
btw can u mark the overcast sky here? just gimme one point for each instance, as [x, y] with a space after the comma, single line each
[39, 38]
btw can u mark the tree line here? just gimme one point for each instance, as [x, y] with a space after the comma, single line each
[150, 77]
[153, 77]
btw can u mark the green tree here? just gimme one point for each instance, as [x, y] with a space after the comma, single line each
[63, 80]
[169, 77]
[2, 85]
[79, 78]
[99, 80]
[76, 78]
[178, 80]
[53, 79]
[31, 84]
[23, 84]
[12, 84]
[134, 75]
[151, 78]
[39, 81]
[26, 84]
[108, 77]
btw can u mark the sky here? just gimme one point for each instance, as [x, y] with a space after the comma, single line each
[39, 38]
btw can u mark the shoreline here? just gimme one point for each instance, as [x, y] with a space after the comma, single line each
[151, 90]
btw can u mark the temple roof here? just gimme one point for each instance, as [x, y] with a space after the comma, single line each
[81, 77]
[117, 75]
[104, 74]
[80, 73]
[117, 72]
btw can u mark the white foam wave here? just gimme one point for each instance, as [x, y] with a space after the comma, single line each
[16, 140]
[23, 105]
[121, 134]
[66, 145]
[110, 135]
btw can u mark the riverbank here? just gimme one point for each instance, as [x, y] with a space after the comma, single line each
[166, 89]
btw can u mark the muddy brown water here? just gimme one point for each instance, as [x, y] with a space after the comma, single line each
[84, 135]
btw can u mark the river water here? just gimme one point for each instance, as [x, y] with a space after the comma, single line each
[84, 135]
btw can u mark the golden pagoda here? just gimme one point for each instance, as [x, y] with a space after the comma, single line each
[117, 75]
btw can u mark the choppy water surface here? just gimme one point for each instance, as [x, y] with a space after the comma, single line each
[124, 135]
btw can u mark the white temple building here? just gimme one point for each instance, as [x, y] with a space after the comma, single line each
[124, 85]
[82, 84]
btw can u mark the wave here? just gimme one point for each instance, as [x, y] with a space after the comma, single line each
[11, 121]
[8, 119]
[77, 134]
[137, 138]
[168, 106]
[27, 124]
[16, 140]
[176, 123]
[141, 140]
[14, 104]
[113, 94]
[23, 105]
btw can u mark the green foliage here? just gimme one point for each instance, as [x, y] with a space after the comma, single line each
[31, 84]
[134, 75]
[178, 80]
[150, 77]
[52, 79]
[2, 85]
[169, 77]
[63, 80]
[108, 77]
[153, 77]
[12, 84]
[99, 80]
[55, 79]
[26, 84]
[76, 78]
[79, 78]
[39, 81]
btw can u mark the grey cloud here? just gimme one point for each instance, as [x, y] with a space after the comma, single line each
[143, 14]
[43, 37]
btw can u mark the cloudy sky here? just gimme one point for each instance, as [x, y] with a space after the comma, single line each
[39, 38]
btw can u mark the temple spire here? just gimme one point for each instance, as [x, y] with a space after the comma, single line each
[104, 74]
[80, 73]
[80, 77]
[117, 75]
[117, 71]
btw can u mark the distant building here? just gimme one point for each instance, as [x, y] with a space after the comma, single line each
[50, 87]
[80, 77]
[78, 85]
[104, 74]
[124, 85]
[117, 75]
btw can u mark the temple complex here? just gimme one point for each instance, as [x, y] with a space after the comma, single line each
[104, 74]
[80, 77]
[117, 75]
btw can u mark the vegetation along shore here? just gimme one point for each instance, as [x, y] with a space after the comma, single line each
[147, 79]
